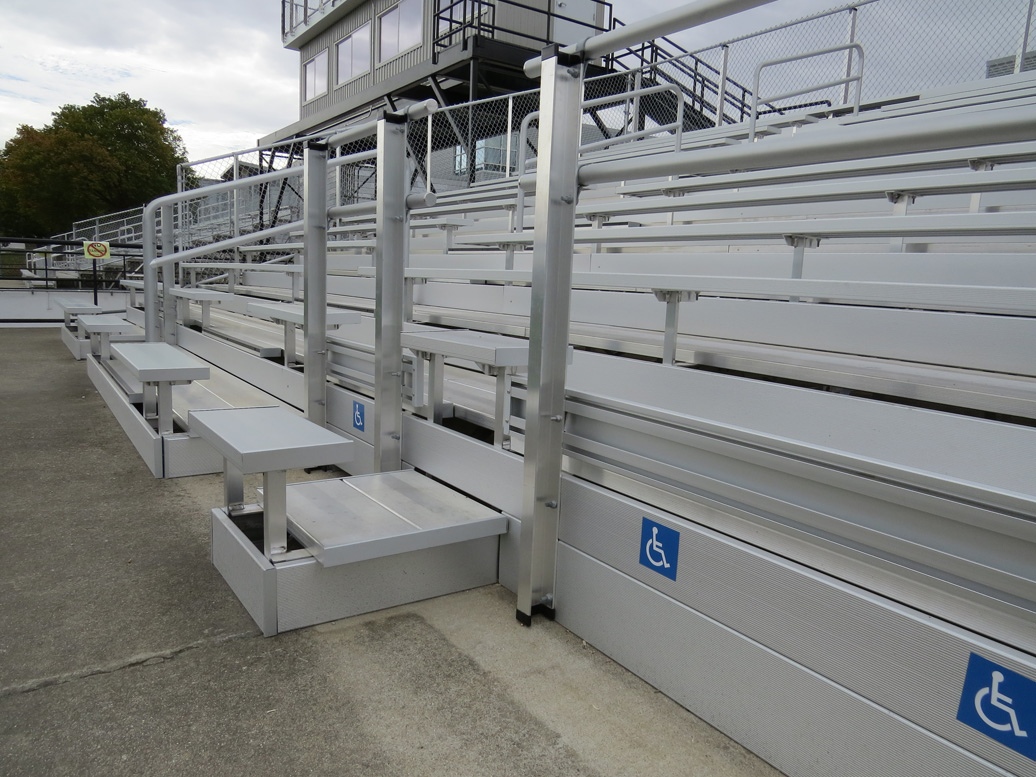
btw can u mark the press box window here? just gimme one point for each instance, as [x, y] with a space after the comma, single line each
[316, 75]
[490, 155]
[354, 54]
[399, 29]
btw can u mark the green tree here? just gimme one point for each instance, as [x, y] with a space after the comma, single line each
[112, 154]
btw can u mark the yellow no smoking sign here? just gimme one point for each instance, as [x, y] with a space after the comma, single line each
[99, 250]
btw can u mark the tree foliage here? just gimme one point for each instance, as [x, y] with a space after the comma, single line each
[110, 155]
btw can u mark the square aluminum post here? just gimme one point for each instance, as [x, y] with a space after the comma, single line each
[389, 292]
[275, 513]
[233, 488]
[165, 407]
[314, 269]
[168, 278]
[556, 190]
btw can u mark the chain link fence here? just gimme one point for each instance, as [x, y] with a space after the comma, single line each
[909, 46]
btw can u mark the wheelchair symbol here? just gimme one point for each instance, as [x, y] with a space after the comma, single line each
[1001, 702]
[357, 416]
[654, 550]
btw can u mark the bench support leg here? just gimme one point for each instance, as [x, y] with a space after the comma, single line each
[436, 376]
[275, 513]
[150, 396]
[233, 488]
[501, 418]
[165, 408]
[290, 354]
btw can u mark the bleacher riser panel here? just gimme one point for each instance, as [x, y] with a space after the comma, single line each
[140, 433]
[995, 343]
[967, 269]
[768, 701]
[489, 474]
[286, 385]
[638, 311]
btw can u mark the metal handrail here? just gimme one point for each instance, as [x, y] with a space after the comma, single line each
[523, 135]
[152, 261]
[676, 20]
[475, 22]
[851, 142]
[857, 79]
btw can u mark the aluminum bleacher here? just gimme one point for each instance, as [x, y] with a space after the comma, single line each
[759, 417]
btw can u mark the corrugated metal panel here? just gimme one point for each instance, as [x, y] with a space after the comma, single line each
[329, 38]
[407, 60]
[310, 50]
[533, 22]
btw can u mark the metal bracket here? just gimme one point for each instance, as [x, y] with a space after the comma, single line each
[668, 295]
[896, 197]
[802, 241]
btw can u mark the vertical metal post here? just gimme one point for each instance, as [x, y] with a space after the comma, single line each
[152, 332]
[722, 90]
[556, 190]
[314, 270]
[638, 119]
[510, 122]
[168, 277]
[672, 300]
[849, 55]
[338, 181]
[1019, 62]
[901, 202]
[165, 407]
[237, 176]
[275, 513]
[389, 292]
[234, 214]
[428, 158]
[233, 487]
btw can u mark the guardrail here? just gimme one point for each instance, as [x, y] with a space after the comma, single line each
[849, 79]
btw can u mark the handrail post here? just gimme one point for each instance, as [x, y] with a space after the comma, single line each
[721, 93]
[152, 333]
[1019, 62]
[556, 192]
[314, 238]
[168, 280]
[853, 12]
[389, 292]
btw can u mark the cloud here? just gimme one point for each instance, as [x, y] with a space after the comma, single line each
[211, 67]
[222, 77]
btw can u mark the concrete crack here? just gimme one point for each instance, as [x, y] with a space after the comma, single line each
[117, 666]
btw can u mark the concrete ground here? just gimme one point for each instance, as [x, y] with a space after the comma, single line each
[122, 651]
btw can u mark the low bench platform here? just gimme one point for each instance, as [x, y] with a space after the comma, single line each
[368, 542]
[73, 308]
[104, 325]
[292, 315]
[497, 355]
[270, 440]
[160, 366]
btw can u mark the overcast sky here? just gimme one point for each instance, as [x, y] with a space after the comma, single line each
[217, 69]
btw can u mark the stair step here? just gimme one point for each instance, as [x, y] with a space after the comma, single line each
[372, 516]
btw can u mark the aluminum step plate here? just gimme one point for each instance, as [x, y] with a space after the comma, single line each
[370, 516]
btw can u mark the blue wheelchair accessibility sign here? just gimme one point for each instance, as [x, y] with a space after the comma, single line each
[358, 420]
[659, 548]
[1001, 704]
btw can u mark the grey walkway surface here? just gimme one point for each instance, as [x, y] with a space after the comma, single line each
[122, 652]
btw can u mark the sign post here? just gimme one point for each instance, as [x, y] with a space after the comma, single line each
[96, 250]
